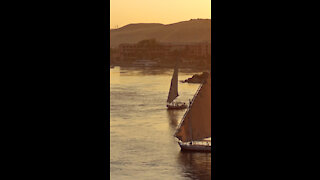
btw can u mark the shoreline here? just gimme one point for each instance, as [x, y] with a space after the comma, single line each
[162, 66]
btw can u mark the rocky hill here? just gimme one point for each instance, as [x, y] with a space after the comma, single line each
[196, 30]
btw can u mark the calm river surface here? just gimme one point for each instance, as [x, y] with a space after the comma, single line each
[142, 145]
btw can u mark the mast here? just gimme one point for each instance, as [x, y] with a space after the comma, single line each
[173, 92]
[190, 126]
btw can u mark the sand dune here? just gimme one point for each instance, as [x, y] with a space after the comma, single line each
[197, 30]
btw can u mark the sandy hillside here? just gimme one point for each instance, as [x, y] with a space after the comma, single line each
[187, 31]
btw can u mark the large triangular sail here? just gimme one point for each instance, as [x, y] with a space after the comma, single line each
[173, 92]
[196, 123]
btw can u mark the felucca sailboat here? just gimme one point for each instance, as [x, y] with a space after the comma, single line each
[173, 93]
[194, 131]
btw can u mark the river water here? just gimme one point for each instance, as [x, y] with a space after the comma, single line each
[142, 145]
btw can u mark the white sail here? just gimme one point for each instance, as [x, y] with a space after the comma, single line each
[196, 123]
[173, 92]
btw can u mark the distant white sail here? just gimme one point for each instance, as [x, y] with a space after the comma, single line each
[196, 123]
[173, 92]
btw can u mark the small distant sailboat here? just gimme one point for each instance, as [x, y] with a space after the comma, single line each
[173, 93]
[194, 131]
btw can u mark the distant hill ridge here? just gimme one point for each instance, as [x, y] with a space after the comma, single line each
[196, 30]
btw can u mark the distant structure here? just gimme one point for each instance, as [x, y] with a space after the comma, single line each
[157, 49]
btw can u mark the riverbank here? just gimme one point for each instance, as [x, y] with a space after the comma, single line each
[163, 65]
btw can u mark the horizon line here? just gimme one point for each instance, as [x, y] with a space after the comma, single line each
[161, 23]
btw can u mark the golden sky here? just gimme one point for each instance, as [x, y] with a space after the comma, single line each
[123, 12]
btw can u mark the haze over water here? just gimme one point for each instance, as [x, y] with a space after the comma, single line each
[142, 145]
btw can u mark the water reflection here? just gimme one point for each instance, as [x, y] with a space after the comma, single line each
[146, 70]
[156, 70]
[174, 118]
[195, 165]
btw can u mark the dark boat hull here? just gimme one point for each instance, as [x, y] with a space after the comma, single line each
[176, 107]
[195, 147]
[172, 107]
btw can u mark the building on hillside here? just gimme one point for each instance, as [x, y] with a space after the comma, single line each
[151, 49]
[201, 49]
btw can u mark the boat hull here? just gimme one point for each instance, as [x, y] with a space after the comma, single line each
[195, 147]
[172, 107]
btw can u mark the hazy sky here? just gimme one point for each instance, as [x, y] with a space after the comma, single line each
[123, 12]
